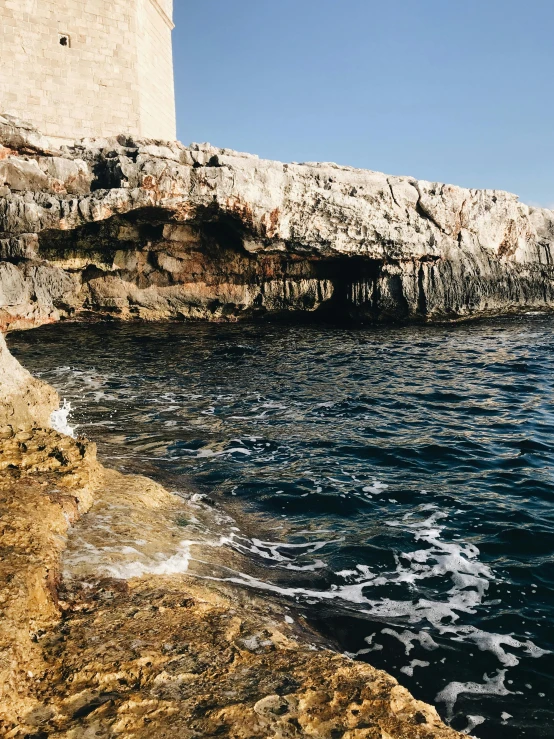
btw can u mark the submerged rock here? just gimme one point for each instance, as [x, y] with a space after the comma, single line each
[137, 228]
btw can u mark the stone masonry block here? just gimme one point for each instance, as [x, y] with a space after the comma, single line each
[117, 70]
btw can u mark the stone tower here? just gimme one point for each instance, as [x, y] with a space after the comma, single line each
[80, 68]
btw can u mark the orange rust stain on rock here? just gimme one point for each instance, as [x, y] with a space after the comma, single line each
[5, 152]
[270, 224]
[9, 322]
[58, 186]
[183, 212]
[149, 182]
[240, 208]
[509, 244]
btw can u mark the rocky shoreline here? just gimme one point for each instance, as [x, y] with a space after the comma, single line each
[126, 228]
[140, 229]
[159, 655]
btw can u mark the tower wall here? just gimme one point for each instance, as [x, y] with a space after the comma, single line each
[155, 69]
[114, 75]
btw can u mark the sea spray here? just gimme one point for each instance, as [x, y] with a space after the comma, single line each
[59, 420]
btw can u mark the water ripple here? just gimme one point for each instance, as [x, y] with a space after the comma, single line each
[395, 483]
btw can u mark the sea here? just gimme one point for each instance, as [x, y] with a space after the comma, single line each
[393, 486]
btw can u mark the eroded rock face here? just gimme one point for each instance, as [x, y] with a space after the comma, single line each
[25, 402]
[157, 230]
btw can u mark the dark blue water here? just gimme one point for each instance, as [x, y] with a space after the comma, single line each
[395, 484]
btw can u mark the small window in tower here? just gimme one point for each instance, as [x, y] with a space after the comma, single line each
[65, 40]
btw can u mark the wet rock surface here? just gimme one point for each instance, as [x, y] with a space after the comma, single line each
[176, 661]
[158, 655]
[146, 229]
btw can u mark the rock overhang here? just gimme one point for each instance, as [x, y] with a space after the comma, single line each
[241, 236]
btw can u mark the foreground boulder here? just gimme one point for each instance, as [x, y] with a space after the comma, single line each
[137, 228]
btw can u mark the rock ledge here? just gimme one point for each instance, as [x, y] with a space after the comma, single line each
[148, 229]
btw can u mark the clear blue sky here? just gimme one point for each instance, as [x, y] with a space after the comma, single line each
[457, 91]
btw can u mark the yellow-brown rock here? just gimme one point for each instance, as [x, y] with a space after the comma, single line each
[157, 656]
[46, 481]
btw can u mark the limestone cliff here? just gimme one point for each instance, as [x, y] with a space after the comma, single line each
[137, 228]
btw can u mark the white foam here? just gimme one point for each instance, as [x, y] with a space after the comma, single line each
[319, 564]
[205, 453]
[491, 686]
[59, 420]
[533, 651]
[409, 669]
[371, 648]
[474, 721]
[409, 637]
[489, 642]
[375, 488]
[282, 552]
[177, 564]
[361, 652]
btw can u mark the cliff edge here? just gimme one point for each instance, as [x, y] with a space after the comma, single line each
[138, 228]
